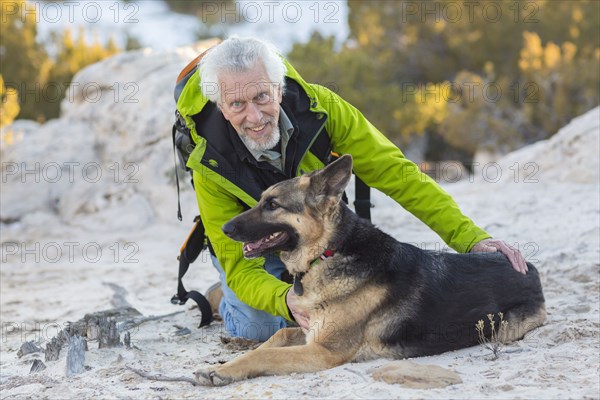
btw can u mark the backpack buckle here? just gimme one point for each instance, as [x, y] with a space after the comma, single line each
[175, 300]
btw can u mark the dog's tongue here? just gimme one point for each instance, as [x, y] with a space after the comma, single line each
[250, 247]
[255, 248]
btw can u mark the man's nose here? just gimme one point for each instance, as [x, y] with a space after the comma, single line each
[254, 114]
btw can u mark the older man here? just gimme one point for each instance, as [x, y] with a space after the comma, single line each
[256, 122]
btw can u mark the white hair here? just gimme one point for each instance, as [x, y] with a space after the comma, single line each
[237, 54]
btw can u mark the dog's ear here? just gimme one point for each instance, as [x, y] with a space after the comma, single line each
[332, 180]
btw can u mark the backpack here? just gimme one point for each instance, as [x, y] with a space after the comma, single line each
[196, 242]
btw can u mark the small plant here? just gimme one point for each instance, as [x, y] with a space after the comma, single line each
[496, 340]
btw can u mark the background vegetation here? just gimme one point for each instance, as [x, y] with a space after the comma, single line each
[494, 75]
[38, 79]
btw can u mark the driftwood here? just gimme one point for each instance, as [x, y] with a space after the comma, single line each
[104, 327]
[163, 378]
[97, 326]
[91, 324]
[133, 323]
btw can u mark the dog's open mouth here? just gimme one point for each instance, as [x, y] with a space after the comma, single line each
[261, 246]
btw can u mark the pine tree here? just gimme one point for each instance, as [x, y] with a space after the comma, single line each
[23, 61]
[505, 74]
[9, 108]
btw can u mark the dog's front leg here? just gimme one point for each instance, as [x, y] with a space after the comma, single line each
[270, 360]
[285, 337]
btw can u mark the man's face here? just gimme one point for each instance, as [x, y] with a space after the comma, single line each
[250, 102]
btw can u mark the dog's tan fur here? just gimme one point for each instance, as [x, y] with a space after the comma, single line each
[315, 231]
[519, 326]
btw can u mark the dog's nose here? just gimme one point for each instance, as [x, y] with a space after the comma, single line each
[228, 229]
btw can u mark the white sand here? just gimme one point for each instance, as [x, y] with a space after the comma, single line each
[554, 220]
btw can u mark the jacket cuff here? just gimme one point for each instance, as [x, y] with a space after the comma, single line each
[282, 307]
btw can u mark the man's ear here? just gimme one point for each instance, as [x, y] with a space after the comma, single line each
[332, 180]
[225, 113]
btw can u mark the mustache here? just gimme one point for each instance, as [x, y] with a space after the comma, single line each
[262, 122]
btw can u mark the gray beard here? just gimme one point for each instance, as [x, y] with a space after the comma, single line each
[262, 146]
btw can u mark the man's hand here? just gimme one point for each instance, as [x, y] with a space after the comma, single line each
[300, 317]
[514, 255]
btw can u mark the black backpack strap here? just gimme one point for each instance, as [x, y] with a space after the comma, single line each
[362, 192]
[190, 250]
[182, 148]
[179, 216]
[362, 202]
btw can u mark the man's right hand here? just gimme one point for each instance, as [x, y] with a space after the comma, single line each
[299, 316]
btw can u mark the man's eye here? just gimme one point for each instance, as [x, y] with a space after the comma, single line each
[262, 98]
[236, 105]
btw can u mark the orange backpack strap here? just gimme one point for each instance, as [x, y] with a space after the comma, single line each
[187, 72]
[193, 64]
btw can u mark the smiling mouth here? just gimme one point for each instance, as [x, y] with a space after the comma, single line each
[258, 129]
[256, 248]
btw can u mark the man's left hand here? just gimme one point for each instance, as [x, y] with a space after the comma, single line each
[300, 316]
[514, 255]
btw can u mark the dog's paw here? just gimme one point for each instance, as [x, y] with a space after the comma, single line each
[211, 378]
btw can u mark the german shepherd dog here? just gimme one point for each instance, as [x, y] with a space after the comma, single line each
[367, 295]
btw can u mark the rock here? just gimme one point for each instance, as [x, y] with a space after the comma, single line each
[52, 351]
[109, 334]
[125, 146]
[28, 348]
[506, 388]
[37, 366]
[127, 340]
[183, 332]
[75, 356]
[416, 376]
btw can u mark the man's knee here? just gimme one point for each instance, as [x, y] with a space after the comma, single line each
[240, 319]
[254, 330]
[260, 331]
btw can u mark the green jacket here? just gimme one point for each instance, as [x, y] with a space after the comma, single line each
[225, 187]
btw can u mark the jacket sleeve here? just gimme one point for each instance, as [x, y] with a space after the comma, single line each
[381, 165]
[246, 278]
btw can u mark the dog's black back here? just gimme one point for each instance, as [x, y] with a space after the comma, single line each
[435, 299]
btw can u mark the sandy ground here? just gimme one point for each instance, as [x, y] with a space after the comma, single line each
[96, 248]
[556, 224]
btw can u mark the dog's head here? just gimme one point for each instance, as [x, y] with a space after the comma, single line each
[295, 213]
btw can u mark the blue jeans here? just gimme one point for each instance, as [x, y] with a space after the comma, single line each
[240, 319]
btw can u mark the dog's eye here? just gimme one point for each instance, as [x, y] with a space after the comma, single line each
[272, 205]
